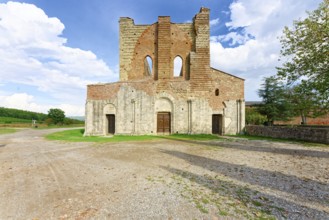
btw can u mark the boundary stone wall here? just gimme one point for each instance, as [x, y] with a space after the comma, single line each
[318, 135]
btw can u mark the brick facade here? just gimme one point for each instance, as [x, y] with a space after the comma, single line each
[191, 98]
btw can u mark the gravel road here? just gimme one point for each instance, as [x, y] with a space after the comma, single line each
[162, 179]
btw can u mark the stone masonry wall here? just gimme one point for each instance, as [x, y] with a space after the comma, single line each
[319, 135]
[136, 105]
[191, 98]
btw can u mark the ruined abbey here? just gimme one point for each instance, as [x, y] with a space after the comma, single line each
[166, 84]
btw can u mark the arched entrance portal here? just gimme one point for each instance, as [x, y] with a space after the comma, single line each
[164, 115]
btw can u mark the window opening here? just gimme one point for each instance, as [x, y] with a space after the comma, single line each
[148, 64]
[217, 92]
[178, 66]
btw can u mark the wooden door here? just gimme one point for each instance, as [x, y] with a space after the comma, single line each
[111, 123]
[163, 122]
[217, 124]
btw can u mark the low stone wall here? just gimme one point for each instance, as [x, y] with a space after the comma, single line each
[319, 135]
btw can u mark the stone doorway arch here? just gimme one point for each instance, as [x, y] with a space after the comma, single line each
[164, 115]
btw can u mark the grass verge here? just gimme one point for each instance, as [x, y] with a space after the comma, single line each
[7, 130]
[44, 126]
[195, 137]
[76, 135]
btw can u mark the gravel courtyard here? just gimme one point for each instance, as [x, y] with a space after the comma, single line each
[161, 179]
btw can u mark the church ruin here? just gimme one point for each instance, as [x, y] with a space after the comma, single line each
[166, 84]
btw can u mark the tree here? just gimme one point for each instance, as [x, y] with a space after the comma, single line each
[49, 121]
[305, 48]
[305, 101]
[253, 117]
[57, 115]
[275, 104]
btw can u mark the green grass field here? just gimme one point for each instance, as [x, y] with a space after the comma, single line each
[9, 120]
[7, 130]
[76, 135]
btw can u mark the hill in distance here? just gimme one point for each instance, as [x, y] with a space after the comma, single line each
[9, 115]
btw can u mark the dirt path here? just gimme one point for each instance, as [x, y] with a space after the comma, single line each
[164, 179]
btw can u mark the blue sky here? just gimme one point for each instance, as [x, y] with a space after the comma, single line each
[51, 49]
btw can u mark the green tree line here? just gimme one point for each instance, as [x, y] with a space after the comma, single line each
[22, 114]
[301, 85]
[54, 116]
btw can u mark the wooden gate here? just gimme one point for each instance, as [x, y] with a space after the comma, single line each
[163, 122]
[217, 124]
[111, 123]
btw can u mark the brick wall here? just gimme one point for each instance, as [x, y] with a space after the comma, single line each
[129, 35]
[164, 46]
[319, 135]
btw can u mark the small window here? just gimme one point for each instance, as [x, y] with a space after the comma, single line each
[148, 66]
[217, 92]
[178, 66]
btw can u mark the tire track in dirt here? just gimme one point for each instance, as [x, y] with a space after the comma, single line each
[71, 188]
[54, 173]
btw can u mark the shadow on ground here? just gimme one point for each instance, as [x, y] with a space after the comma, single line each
[264, 148]
[308, 191]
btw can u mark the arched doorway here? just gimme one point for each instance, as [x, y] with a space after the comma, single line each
[110, 123]
[109, 119]
[217, 124]
[164, 115]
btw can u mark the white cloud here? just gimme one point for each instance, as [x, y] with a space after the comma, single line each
[27, 102]
[214, 22]
[234, 38]
[34, 53]
[255, 57]
[20, 101]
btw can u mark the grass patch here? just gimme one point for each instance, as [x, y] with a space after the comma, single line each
[256, 203]
[7, 130]
[10, 120]
[195, 137]
[201, 207]
[45, 126]
[223, 213]
[76, 135]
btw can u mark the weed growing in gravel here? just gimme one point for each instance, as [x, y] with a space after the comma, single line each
[214, 193]
[200, 207]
